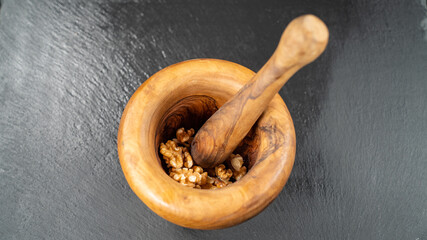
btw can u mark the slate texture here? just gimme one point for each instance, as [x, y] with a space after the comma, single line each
[67, 69]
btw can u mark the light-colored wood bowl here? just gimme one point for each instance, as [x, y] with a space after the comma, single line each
[186, 94]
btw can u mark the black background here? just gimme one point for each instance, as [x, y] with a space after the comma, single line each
[67, 70]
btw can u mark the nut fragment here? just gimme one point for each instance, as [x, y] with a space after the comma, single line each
[198, 169]
[184, 136]
[222, 173]
[239, 174]
[236, 161]
[188, 160]
[204, 178]
[220, 183]
[172, 154]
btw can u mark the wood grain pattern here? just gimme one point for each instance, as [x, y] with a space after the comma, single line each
[188, 93]
[302, 42]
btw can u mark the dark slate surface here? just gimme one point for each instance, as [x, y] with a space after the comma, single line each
[67, 70]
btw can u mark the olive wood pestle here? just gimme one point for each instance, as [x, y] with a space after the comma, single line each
[303, 40]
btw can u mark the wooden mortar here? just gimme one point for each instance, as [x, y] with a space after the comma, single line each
[186, 94]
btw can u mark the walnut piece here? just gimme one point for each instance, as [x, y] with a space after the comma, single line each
[172, 154]
[188, 160]
[222, 173]
[189, 177]
[239, 174]
[239, 170]
[220, 183]
[236, 161]
[184, 136]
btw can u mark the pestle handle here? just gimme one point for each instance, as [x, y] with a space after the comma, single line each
[303, 40]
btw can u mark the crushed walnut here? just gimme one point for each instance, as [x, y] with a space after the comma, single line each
[181, 168]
